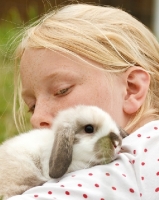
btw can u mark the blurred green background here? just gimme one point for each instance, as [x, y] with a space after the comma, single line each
[10, 25]
[13, 17]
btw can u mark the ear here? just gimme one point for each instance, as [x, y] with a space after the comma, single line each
[137, 85]
[61, 155]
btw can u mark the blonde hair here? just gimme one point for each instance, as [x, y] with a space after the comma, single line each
[106, 35]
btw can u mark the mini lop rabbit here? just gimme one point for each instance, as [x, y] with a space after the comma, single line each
[80, 137]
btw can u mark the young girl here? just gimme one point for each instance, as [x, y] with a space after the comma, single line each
[93, 55]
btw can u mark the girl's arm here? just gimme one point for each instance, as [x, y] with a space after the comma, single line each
[133, 175]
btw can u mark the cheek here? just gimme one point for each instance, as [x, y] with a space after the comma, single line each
[95, 95]
[105, 101]
[114, 107]
[109, 98]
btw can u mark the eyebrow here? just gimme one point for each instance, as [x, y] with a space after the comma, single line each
[55, 76]
[62, 73]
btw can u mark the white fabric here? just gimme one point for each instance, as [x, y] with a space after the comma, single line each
[133, 175]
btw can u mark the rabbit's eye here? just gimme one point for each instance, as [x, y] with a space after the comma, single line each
[89, 128]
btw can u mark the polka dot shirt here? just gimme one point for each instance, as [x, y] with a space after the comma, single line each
[133, 175]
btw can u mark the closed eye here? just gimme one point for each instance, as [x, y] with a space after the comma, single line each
[31, 109]
[63, 91]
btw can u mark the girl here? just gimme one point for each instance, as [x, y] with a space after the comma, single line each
[102, 56]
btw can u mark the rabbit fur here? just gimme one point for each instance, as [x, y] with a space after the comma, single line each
[80, 137]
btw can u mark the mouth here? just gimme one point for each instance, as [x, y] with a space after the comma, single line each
[115, 139]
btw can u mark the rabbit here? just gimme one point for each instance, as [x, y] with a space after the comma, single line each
[80, 137]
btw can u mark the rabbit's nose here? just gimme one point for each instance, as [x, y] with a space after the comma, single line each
[115, 139]
[105, 148]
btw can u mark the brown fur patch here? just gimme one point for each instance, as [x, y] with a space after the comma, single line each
[61, 156]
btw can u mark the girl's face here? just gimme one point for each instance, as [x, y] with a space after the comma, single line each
[52, 82]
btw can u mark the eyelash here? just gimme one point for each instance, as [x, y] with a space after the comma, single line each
[62, 91]
[31, 109]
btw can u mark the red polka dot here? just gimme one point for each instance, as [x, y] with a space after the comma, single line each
[157, 173]
[142, 163]
[156, 128]
[49, 192]
[140, 194]
[107, 174]
[96, 185]
[133, 161]
[145, 150]
[148, 137]
[124, 175]
[102, 199]
[114, 188]
[117, 164]
[79, 185]
[85, 196]
[157, 189]
[138, 135]
[142, 178]
[73, 175]
[62, 185]
[131, 190]
[67, 193]
[90, 174]
[134, 151]
[35, 195]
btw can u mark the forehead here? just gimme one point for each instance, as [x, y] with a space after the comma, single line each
[34, 60]
[38, 66]
[39, 63]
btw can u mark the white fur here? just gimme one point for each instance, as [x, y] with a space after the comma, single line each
[24, 159]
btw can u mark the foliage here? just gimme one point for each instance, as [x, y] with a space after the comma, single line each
[9, 28]
[7, 127]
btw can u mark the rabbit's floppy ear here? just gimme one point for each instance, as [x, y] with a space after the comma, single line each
[61, 155]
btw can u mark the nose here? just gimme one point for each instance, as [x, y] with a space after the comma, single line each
[42, 117]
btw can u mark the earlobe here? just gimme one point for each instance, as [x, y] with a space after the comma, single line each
[137, 85]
